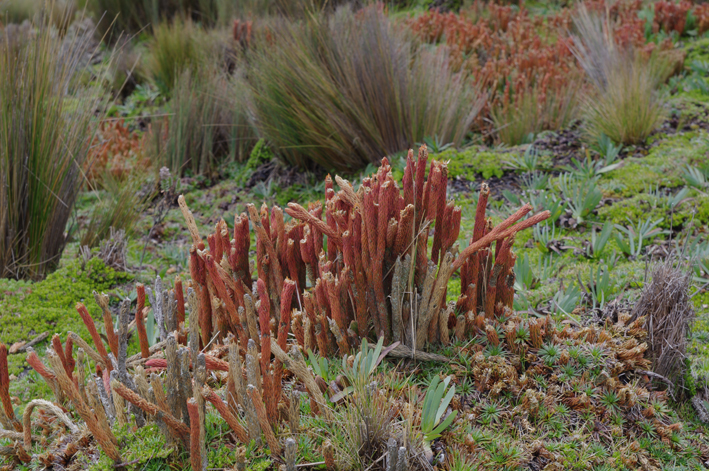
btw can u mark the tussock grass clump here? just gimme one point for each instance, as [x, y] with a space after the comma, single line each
[624, 102]
[176, 47]
[44, 137]
[206, 124]
[346, 90]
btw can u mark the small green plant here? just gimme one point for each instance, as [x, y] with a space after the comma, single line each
[535, 181]
[549, 353]
[582, 196]
[320, 365]
[524, 277]
[364, 364]
[599, 240]
[119, 208]
[490, 414]
[697, 177]
[565, 301]
[435, 404]
[547, 200]
[544, 235]
[435, 144]
[527, 162]
[637, 235]
[607, 149]
[599, 285]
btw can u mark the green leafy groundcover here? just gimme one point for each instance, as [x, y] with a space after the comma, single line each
[27, 310]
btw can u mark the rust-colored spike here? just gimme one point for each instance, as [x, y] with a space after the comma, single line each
[264, 310]
[453, 230]
[434, 191]
[34, 361]
[479, 227]
[420, 178]
[102, 301]
[69, 356]
[391, 231]
[502, 230]
[257, 401]
[59, 349]
[286, 302]
[298, 212]
[195, 446]
[197, 268]
[279, 231]
[408, 180]
[215, 245]
[142, 333]
[404, 234]
[5, 389]
[442, 232]
[370, 220]
[535, 333]
[298, 329]
[265, 221]
[264, 238]
[91, 327]
[382, 221]
[242, 243]
[223, 410]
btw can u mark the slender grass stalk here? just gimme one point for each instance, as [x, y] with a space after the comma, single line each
[44, 140]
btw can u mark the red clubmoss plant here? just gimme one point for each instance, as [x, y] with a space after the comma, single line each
[377, 244]
[117, 150]
[670, 16]
[5, 390]
[701, 13]
[241, 31]
[522, 61]
[103, 436]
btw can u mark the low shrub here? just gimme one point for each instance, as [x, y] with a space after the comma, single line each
[44, 133]
[343, 92]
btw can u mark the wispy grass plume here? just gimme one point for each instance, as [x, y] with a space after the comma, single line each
[624, 102]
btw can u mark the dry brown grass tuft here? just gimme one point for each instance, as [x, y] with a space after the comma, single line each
[666, 304]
